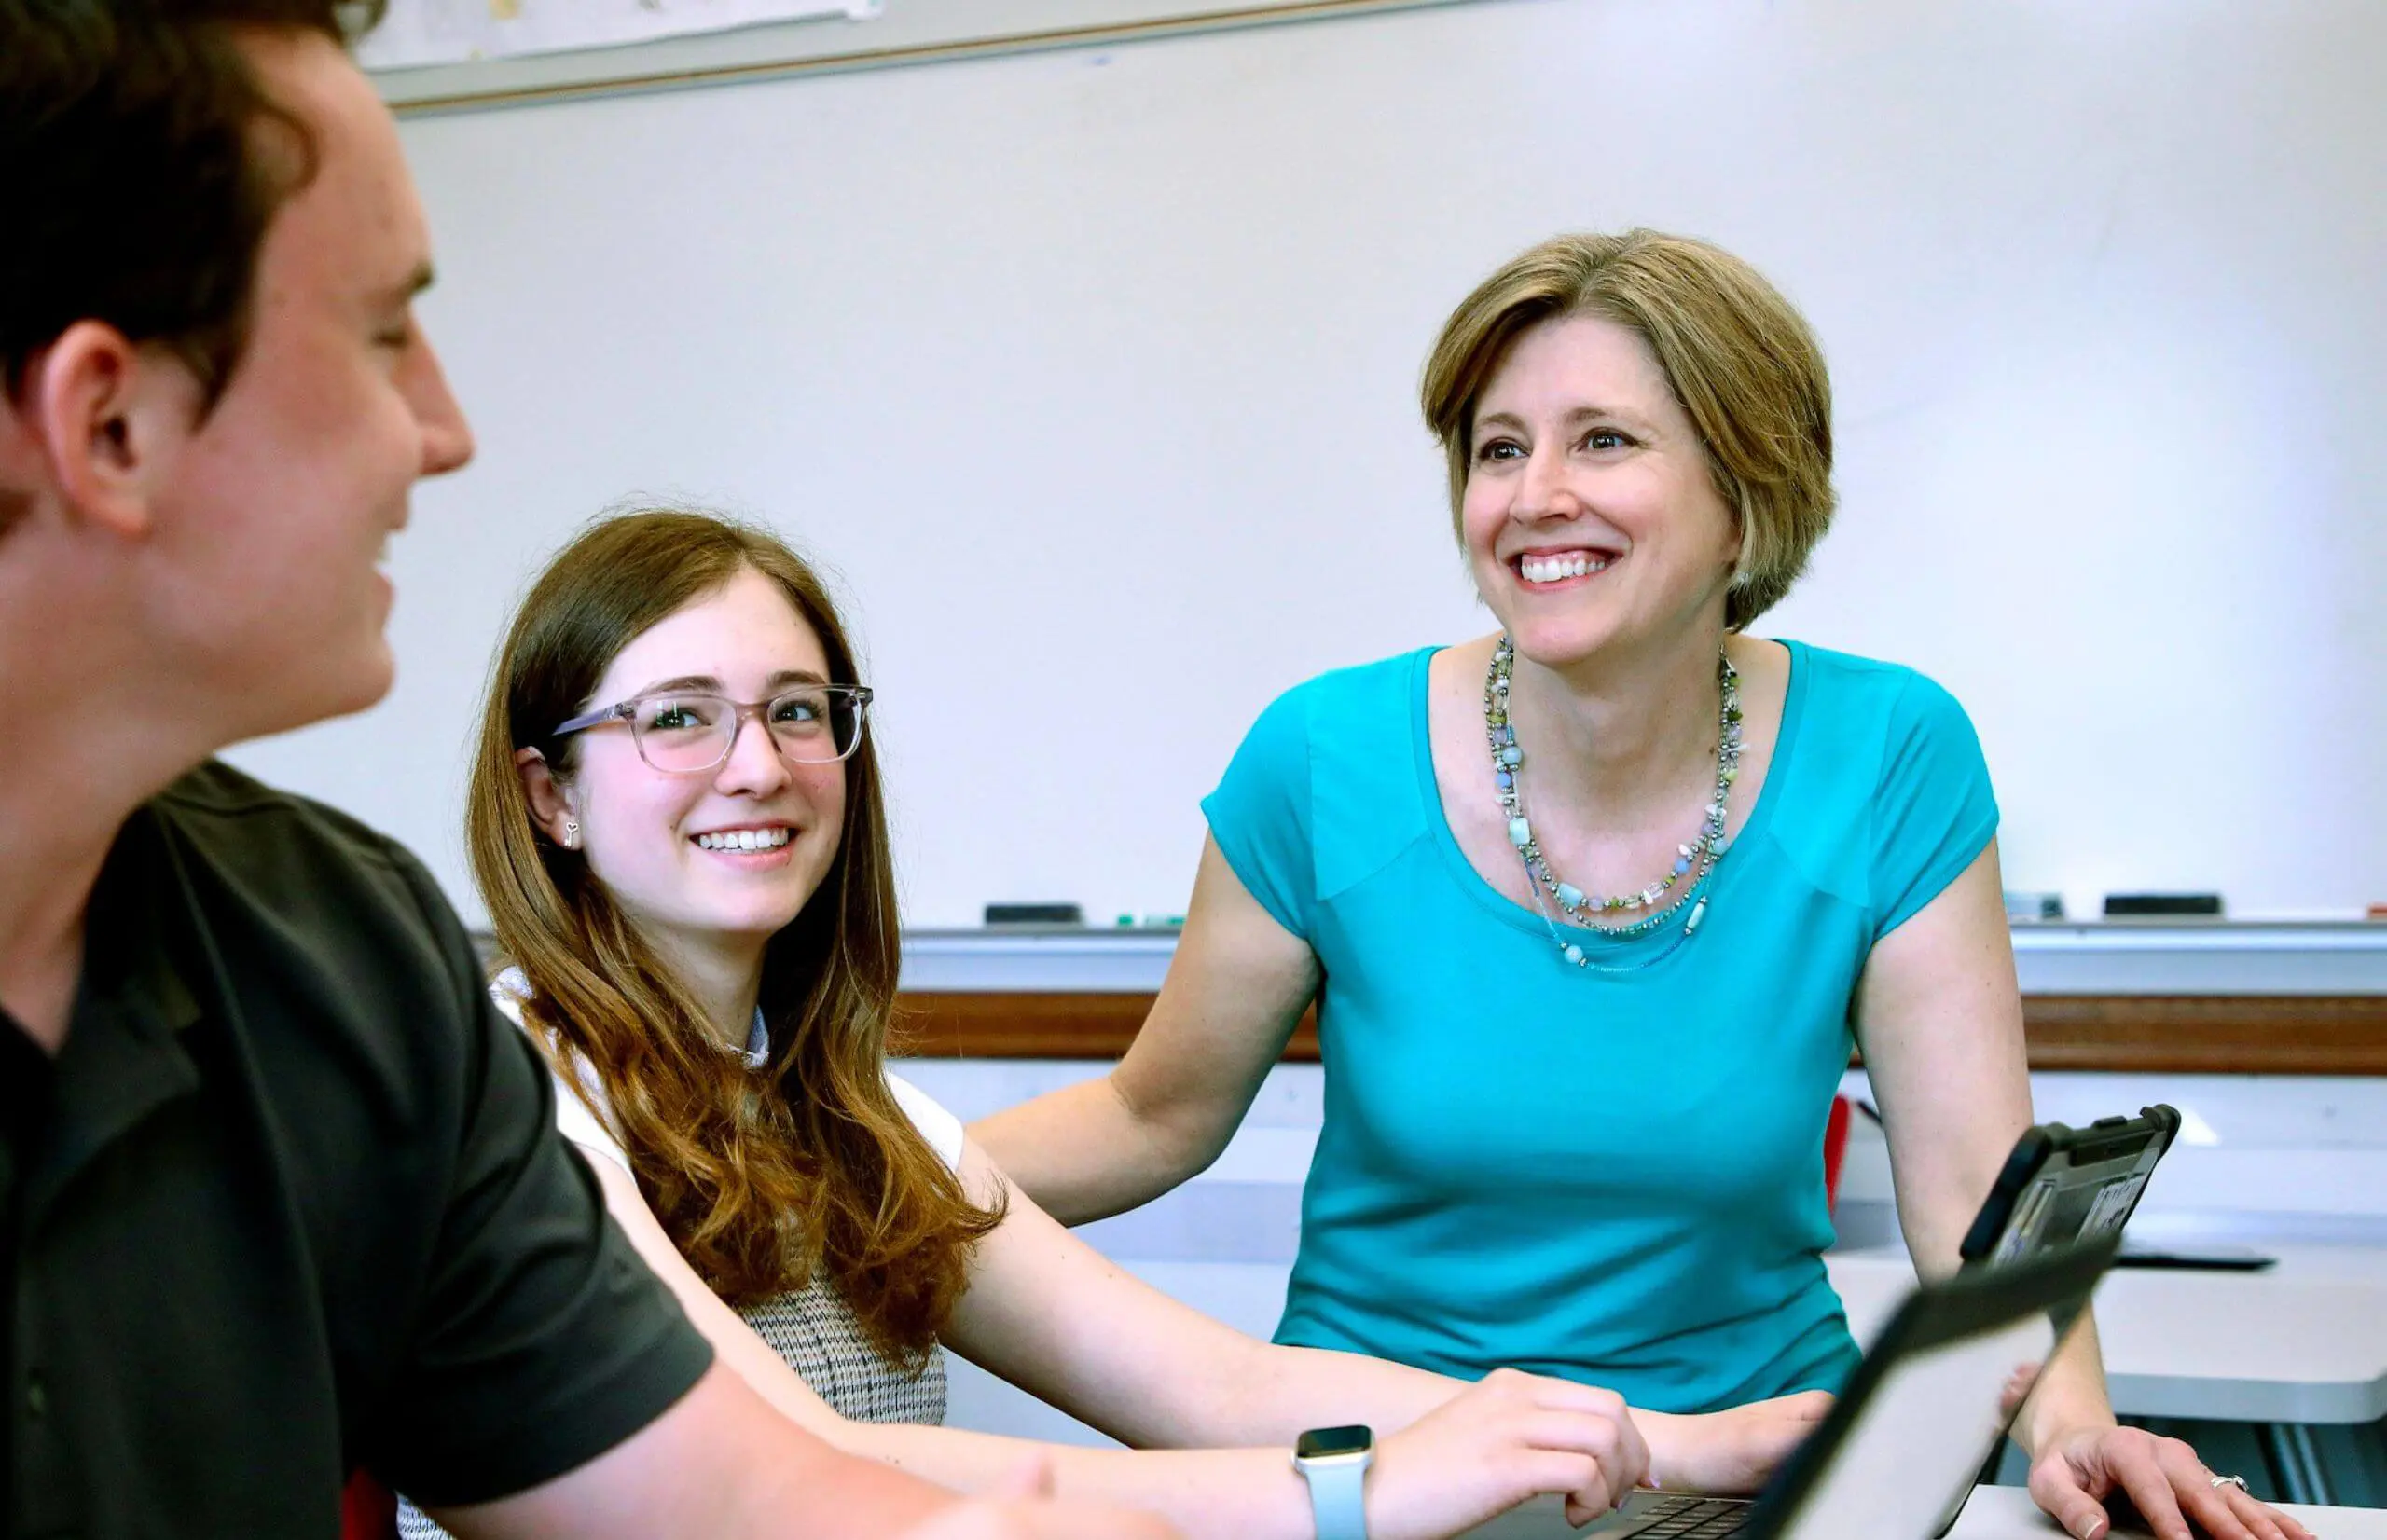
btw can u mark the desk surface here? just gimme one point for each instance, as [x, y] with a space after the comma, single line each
[1995, 1513]
[2304, 1342]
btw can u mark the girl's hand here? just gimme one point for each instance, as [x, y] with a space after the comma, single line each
[1507, 1439]
[1731, 1451]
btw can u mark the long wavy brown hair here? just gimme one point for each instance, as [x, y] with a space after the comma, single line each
[821, 1175]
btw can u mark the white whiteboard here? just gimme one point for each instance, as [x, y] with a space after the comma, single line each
[1091, 373]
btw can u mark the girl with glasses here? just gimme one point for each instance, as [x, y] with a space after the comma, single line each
[677, 824]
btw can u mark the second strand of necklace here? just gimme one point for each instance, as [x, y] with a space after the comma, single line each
[1693, 859]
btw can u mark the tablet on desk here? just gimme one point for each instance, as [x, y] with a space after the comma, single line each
[2063, 1185]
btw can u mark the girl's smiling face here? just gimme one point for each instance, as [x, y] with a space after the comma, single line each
[656, 838]
[1591, 518]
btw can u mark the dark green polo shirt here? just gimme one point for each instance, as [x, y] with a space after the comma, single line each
[291, 1200]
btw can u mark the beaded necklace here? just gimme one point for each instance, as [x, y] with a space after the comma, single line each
[1694, 861]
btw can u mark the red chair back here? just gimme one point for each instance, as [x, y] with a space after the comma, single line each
[1835, 1145]
[367, 1511]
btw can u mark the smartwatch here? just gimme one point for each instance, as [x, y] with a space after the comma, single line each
[1334, 1462]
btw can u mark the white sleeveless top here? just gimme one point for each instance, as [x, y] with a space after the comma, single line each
[812, 1329]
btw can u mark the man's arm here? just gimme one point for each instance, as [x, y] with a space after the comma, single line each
[718, 1463]
[722, 1466]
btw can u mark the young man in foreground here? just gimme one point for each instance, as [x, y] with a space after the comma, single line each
[279, 1194]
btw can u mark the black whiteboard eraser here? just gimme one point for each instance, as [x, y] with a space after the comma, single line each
[2132, 905]
[1034, 913]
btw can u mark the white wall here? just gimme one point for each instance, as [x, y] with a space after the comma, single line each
[1091, 372]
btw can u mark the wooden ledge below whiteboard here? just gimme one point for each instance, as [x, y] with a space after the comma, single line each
[2192, 1033]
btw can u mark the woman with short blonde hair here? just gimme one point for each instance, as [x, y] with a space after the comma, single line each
[1594, 909]
[1743, 365]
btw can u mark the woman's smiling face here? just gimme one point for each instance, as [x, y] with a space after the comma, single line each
[655, 838]
[1591, 518]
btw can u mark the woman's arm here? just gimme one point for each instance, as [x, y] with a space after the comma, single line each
[1939, 1017]
[1235, 990]
[1054, 1317]
[1501, 1443]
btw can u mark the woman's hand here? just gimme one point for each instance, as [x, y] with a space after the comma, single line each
[1732, 1453]
[2078, 1470]
[1505, 1440]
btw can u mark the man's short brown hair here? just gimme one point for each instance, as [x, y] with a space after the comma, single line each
[1740, 359]
[135, 183]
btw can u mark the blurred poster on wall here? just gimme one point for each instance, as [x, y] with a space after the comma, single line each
[416, 34]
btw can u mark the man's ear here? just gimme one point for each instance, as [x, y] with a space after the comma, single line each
[550, 803]
[110, 420]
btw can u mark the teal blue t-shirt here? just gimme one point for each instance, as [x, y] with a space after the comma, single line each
[1616, 1177]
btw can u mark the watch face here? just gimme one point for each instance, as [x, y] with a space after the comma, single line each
[1321, 1443]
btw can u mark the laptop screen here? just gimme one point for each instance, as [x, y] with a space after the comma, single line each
[1922, 1435]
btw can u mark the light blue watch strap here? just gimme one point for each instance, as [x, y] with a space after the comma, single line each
[1338, 1489]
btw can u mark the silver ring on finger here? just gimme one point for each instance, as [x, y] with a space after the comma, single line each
[2237, 1481]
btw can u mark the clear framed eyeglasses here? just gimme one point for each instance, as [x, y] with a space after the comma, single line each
[687, 732]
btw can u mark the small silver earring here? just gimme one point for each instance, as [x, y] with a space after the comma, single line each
[571, 833]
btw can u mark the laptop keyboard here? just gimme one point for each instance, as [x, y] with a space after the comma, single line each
[1684, 1517]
